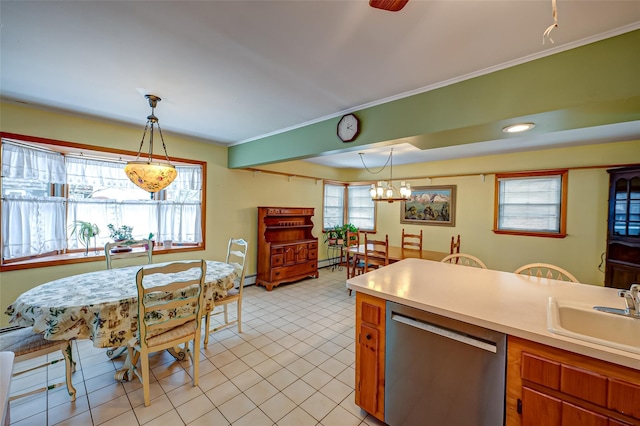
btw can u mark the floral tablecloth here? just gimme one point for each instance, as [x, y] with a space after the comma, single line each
[101, 306]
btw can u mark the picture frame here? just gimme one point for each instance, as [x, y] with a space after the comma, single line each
[430, 205]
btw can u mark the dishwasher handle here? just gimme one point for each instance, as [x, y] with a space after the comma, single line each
[445, 332]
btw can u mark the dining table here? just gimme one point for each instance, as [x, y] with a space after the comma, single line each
[396, 254]
[103, 305]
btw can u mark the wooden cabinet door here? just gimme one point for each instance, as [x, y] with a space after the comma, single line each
[540, 409]
[290, 255]
[624, 398]
[369, 341]
[577, 416]
[302, 253]
[370, 354]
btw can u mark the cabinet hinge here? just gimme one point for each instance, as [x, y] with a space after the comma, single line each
[519, 408]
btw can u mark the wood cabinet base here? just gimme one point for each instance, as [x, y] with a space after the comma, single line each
[551, 387]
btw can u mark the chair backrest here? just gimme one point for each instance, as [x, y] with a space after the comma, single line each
[237, 257]
[546, 270]
[465, 260]
[170, 296]
[455, 245]
[352, 238]
[412, 241]
[376, 252]
[127, 250]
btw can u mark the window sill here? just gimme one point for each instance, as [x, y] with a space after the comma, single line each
[79, 257]
[530, 234]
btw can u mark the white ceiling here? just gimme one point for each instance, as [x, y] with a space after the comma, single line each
[234, 71]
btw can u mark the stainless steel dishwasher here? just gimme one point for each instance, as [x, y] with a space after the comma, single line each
[440, 371]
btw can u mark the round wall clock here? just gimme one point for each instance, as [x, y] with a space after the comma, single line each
[348, 128]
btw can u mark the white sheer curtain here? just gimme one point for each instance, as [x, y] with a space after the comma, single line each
[97, 173]
[181, 213]
[180, 222]
[177, 218]
[21, 162]
[141, 215]
[32, 225]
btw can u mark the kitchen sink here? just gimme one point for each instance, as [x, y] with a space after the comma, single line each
[583, 322]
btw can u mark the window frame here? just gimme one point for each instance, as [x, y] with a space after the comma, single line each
[77, 255]
[345, 204]
[562, 232]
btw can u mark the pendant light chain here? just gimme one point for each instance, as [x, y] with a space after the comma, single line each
[163, 145]
[142, 141]
[369, 170]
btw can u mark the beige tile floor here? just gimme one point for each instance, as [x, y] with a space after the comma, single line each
[293, 364]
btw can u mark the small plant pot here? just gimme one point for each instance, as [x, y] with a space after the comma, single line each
[121, 249]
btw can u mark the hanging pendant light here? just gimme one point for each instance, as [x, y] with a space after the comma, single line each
[384, 190]
[149, 175]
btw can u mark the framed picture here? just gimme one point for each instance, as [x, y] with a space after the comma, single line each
[430, 205]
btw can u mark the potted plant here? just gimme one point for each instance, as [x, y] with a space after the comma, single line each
[151, 241]
[333, 236]
[122, 234]
[84, 231]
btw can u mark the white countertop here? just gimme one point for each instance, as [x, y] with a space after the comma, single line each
[501, 301]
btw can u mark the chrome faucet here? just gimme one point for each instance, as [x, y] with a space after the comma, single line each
[632, 300]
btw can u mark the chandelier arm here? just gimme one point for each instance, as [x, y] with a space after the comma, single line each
[371, 171]
[163, 145]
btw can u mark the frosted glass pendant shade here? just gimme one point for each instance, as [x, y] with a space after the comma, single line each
[151, 177]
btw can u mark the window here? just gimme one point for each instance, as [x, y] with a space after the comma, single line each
[344, 203]
[531, 203]
[44, 192]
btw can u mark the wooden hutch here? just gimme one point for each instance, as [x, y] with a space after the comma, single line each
[287, 250]
[623, 233]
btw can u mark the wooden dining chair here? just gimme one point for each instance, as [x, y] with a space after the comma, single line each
[118, 250]
[411, 241]
[169, 314]
[376, 253]
[27, 344]
[546, 270]
[465, 260]
[236, 257]
[352, 240]
[455, 245]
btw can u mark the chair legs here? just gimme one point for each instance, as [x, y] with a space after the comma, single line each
[70, 368]
[225, 312]
[239, 315]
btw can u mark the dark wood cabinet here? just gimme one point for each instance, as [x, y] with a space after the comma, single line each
[287, 249]
[623, 233]
[551, 387]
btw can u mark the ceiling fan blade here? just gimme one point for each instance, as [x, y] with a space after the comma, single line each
[390, 5]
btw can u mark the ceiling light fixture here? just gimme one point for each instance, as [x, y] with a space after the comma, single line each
[518, 128]
[149, 175]
[384, 190]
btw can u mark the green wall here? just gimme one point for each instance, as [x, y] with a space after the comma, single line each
[592, 85]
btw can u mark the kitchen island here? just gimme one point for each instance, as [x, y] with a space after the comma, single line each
[515, 305]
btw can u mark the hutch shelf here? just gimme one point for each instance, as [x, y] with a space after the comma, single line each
[287, 250]
[623, 234]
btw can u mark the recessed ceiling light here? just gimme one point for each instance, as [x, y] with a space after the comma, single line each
[517, 128]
